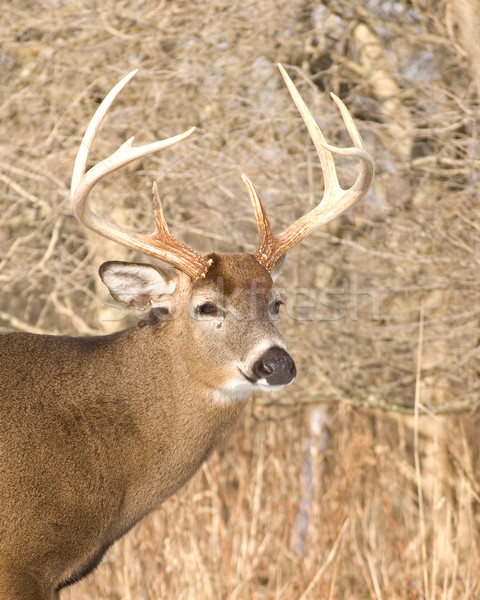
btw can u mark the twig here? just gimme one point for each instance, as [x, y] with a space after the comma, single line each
[21, 325]
[319, 574]
[416, 455]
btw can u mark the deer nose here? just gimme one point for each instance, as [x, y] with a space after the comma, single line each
[275, 366]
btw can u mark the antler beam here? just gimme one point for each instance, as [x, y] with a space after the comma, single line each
[160, 244]
[335, 200]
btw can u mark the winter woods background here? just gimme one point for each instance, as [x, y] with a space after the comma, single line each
[361, 479]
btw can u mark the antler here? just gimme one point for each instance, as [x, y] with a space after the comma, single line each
[160, 244]
[335, 200]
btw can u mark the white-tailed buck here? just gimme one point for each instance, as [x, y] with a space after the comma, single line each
[96, 432]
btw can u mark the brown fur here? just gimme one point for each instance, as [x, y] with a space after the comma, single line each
[97, 432]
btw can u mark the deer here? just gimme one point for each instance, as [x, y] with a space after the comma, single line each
[96, 432]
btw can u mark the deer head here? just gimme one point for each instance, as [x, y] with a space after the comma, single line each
[226, 305]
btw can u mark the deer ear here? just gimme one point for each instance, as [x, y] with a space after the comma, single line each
[137, 285]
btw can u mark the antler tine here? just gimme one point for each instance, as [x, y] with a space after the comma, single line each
[265, 236]
[161, 244]
[335, 200]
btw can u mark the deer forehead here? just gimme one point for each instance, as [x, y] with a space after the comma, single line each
[235, 275]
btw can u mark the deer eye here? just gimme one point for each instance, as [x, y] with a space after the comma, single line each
[275, 307]
[209, 309]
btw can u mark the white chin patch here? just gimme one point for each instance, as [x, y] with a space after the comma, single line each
[240, 388]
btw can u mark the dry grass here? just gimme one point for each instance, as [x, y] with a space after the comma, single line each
[307, 500]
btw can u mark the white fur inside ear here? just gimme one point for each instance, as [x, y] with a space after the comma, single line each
[138, 285]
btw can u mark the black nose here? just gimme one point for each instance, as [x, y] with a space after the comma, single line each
[275, 366]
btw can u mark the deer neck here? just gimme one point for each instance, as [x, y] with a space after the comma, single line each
[179, 421]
